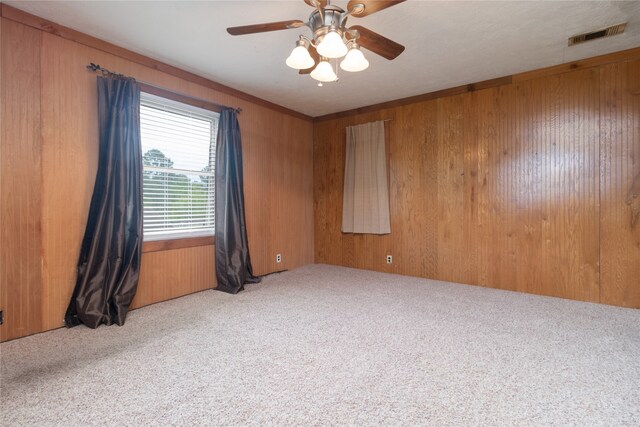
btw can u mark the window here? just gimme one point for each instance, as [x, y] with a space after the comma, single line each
[178, 153]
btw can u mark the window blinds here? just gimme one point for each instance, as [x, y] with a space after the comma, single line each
[178, 150]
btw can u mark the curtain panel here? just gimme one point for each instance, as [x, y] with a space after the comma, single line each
[365, 204]
[233, 263]
[109, 263]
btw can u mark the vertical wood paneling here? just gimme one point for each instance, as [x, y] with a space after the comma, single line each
[20, 181]
[521, 186]
[278, 158]
[497, 187]
[70, 161]
[277, 153]
[191, 270]
[620, 153]
[361, 251]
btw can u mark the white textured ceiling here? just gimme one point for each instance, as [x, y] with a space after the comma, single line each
[448, 43]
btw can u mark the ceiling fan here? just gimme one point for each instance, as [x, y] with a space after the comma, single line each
[332, 38]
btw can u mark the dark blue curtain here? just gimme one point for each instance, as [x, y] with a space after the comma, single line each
[109, 263]
[233, 263]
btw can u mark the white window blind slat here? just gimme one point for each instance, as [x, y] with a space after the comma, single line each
[178, 148]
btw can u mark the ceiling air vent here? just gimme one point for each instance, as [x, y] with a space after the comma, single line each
[593, 35]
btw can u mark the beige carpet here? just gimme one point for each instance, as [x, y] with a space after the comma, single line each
[328, 345]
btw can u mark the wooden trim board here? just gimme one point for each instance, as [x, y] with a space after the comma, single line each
[179, 97]
[167, 245]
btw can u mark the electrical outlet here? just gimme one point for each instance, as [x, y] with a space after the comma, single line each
[278, 258]
[389, 259]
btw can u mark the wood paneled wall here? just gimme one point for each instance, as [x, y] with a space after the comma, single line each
[619, 164]
[49, 161]
[20, 179]
[521, 186]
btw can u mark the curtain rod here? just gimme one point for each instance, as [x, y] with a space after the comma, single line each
[107, 73]
[381, 120]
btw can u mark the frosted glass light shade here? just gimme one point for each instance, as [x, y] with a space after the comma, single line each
[300, 58]
[324, 73]
[354, 61]
[332, 46]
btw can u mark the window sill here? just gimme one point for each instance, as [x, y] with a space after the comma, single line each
[185, 242]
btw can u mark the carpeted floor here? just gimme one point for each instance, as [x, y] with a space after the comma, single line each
[329, 345]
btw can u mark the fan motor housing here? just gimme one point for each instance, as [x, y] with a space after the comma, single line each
[334, 19]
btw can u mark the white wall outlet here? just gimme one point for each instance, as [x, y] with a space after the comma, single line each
[389, 259]
[278, 258]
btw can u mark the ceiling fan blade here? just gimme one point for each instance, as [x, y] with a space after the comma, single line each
[316, 58]
[378, 44]
[312, 3]
[263, 28]
[370, 6]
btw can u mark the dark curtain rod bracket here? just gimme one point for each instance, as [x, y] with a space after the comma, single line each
[107, 73]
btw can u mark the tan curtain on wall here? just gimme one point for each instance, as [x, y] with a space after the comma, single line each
[365, 205]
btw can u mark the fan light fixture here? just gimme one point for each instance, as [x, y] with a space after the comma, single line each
[332, 45]
[300, 58]
[332, 38]
[324, 72]
[355, 60]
